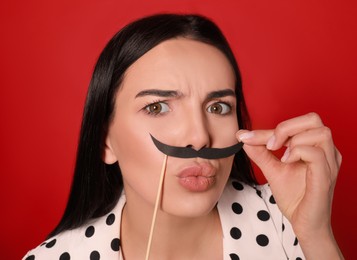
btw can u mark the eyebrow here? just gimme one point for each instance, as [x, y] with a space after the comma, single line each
[174, 93]
[221, 93]
[159, 93]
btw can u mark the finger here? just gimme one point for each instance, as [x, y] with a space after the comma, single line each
[318, 173]
[319, 184]
[255, 137]
[291, 127]
[338, 157]
[320, 137]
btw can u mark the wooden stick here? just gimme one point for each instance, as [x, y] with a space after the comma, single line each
[158, 197]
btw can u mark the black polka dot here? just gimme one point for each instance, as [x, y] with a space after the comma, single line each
[296, 242]
[51, 243]
[259, 193]
[262, 240]
[298, 258]
[94, 255]
[110, 219]
[263, 215]
[115, 244]
[30, 257]
[236, 233]
[234, 256]
[90, 231]
[237, 208]
[272, 200]
[237, 185]
[65, 256]
[283, 227]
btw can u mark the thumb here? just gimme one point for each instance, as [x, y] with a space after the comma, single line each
[264, 159]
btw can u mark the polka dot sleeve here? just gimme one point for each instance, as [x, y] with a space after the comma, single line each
[253, 226]
[98, 239]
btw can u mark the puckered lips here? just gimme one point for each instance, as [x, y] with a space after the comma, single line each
[198, 177]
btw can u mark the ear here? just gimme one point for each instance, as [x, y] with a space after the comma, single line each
[109, 156]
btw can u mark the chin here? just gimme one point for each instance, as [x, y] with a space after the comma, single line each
[194, 206]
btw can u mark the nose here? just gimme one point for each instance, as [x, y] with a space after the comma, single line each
[197, 134]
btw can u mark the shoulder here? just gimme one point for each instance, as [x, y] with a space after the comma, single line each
[239, 197]
[253, 205]
[252, 222]
[97, 239]
[256, 195]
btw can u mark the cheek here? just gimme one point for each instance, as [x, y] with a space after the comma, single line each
[139, 160]
[226, 166]
[224, 131]
[140, 170]
[134, 147]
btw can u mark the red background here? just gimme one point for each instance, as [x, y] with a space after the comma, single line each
[295, 57]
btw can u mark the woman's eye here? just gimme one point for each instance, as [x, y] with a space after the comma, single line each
[219, 108]
[157, 108]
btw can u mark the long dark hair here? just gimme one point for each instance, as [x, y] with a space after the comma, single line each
[97, 186]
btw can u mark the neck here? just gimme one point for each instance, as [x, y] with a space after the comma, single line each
[173, 238]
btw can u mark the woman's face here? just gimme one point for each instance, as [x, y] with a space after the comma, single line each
[183, 93]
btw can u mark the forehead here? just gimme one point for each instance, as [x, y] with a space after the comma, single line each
[179, 63]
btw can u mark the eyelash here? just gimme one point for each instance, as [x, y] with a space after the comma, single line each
[228, 103]
[145, 110]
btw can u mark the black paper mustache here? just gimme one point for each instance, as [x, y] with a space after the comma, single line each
[188, 152]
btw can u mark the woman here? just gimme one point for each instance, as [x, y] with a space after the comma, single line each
[173, 78]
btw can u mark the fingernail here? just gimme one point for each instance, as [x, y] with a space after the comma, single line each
[285, 155]
[245, 136]
[271, 142]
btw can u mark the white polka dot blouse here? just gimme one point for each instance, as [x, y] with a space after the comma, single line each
[253, 228]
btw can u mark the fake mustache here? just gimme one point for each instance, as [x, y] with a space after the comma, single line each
[188, 152]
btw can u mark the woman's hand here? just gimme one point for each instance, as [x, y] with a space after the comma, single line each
[303, 180]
